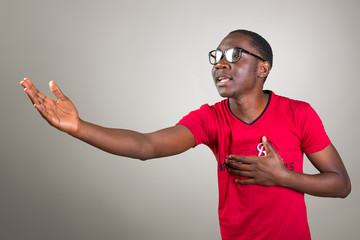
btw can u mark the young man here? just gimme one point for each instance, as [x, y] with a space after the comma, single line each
[257, 137]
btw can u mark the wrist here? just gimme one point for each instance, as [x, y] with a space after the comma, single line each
[76, 129]
[285, 177]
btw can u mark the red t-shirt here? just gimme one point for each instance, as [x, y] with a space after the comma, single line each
[254, 211]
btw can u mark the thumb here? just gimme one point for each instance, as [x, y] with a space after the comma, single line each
[268, 147]
[56, 91]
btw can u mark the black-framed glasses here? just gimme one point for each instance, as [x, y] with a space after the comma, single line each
[232, 55]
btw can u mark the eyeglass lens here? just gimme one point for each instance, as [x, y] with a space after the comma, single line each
[231, 55]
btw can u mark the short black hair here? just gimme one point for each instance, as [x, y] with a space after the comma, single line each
[259, 43]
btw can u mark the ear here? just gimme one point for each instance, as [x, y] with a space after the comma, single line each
[264, 69]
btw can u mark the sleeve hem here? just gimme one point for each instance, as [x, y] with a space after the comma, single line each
[318, 149]
[197, 141]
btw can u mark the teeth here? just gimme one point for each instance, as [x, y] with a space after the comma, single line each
[222, 79]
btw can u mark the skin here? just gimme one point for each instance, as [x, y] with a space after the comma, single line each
[241, 82]
[246, 79]
[63, 115]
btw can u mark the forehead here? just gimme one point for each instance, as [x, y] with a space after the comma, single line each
[236, 40]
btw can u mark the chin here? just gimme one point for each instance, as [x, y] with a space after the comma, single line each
[224, 94]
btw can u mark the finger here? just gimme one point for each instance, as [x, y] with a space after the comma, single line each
[24, 83]
[32, 87]
[268, 147]
[27, 88]
[245, 181]
[240, 173]
[56, 91]
[35, 99]
[239, 165]
[31, 95]
[242, 159]
[34, 94]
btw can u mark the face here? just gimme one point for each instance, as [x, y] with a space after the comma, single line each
[235, 79]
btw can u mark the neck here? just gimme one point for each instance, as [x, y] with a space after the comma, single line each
[250, 106]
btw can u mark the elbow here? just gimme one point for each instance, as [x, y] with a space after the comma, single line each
[146, 152]
[344, 194]
[346, 190]
[143, 158]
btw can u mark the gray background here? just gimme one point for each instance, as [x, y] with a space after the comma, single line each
[143, 65]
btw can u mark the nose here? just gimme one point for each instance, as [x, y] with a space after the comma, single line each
[222, 64]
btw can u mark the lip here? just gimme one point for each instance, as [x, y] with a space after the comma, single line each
[222, 79]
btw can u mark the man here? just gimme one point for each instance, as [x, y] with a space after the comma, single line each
[257, 137]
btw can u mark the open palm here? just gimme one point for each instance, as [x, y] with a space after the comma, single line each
[61, 114]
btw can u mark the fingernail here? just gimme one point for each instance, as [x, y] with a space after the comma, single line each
[264, 138]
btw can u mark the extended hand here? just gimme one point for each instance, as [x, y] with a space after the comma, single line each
[61, 114]
[266, 170]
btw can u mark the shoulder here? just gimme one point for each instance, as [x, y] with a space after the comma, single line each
[292, 105]
[299, 112]
[216, 108]
[206, 113]
[204, 122]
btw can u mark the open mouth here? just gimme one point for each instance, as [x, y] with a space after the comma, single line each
[223, 80]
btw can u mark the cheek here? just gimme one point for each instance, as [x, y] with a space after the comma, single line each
[245, 72]
[213, 73]
[239, 74]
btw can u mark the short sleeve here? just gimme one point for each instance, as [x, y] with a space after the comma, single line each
[198, 122]
[313, 134]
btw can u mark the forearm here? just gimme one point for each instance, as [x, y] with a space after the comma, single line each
[62, 114]
[326, 184]
[116, 141]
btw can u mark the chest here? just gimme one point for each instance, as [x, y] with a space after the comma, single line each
[238, 138]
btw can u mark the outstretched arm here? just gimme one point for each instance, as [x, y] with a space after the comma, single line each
[332, 180]
[63, 115]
